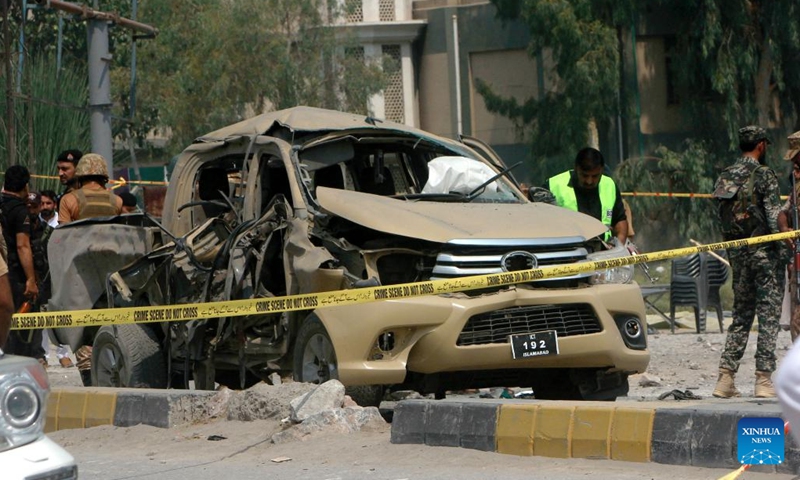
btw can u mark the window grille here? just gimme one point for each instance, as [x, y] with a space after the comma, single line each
[386, 11]
[394, 107]
[354, 10]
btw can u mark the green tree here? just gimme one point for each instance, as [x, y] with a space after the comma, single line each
[50, 116]
[736, 64]
[232, 59]
[582, 36]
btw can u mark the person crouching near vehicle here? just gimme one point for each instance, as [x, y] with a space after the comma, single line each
[90, 200]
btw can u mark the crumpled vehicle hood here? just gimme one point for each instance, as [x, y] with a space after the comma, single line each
[443, 222]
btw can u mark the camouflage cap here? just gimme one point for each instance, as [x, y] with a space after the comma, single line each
[794, 146]
[92, 164]
[752, 134]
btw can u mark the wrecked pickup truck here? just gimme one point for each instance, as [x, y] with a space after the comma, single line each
[309, 200]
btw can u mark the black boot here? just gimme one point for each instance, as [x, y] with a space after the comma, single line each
[86, 376]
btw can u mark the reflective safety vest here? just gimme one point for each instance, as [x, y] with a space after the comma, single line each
[565, 196]
[95, 203]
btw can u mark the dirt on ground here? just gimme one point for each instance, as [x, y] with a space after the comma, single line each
[686, 360]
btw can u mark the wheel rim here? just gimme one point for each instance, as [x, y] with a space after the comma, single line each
[109, 365]
[319, 360]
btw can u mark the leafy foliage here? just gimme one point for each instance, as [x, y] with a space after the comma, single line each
[665, 223]
[214, 62]
[581, 36]
[55, 119]
[259, 56]
[736, 61]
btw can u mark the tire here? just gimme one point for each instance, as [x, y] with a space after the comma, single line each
[128, 356]
[314, 355]
[315, 362]
[583, 385]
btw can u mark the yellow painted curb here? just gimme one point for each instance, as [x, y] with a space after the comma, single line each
[51, 418]
[79, 408]
[552, 431]
[591, 432]
[100, 409]
[632, 434]
[575, 431]
[71, 409]
[515, 426]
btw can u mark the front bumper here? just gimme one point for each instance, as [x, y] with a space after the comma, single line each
[38, 460]
[426, 330]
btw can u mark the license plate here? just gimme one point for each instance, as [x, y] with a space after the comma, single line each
[529, 345]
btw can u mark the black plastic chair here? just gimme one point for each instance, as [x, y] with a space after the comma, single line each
[688, 286]
[718, 274]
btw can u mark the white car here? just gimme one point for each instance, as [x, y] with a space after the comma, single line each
[25, 451]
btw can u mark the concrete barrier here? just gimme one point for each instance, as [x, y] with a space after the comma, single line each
[698, 433]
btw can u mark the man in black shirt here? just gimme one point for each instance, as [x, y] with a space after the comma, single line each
[66, 162]
[21, 274]
[585, 189]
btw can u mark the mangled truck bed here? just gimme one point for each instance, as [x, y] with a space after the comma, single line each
[308, 200]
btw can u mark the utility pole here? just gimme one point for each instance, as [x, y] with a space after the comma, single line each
[99, 69]
[100, 90]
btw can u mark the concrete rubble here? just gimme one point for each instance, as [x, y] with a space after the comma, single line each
[305, 409]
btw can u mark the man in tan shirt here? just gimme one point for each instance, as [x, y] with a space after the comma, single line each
[91, 199]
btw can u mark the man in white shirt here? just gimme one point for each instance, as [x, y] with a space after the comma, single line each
[48, 213]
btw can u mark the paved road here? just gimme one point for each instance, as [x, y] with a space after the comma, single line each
[246, 453]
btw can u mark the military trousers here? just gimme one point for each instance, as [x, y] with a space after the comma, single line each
[758, 288]
[794, 322]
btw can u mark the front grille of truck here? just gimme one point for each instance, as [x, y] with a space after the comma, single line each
[495, 327]
[462, 258]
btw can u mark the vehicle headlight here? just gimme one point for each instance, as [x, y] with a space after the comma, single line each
[24, 389]
[20, 406]
[622, 274]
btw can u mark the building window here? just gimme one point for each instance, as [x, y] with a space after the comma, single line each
[355, 53]
[386, 11]
[394, 107]
[354, 11]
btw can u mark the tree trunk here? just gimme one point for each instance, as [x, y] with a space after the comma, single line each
[763, 77]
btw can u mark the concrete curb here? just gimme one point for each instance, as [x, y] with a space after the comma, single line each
[83, 407]
[691, 433]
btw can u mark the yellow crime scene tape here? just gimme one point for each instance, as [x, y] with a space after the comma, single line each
[675, 195]
[310, 301]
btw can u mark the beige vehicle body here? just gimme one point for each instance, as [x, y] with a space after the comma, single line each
[308, 200]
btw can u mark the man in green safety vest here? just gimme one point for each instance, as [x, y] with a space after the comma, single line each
[585, 189]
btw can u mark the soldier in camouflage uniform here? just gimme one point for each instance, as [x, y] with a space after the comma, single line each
[758, 279]
[786, 223]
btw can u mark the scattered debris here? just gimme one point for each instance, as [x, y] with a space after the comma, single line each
[325, 397]
[216, 438]
[680, 395]
[275, 379]
[649, 380]
[281, 459]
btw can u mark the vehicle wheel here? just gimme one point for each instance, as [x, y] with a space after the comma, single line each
[315, 362]
[366, 395]
[314, 356]
[130, 358]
